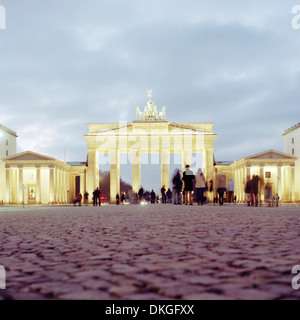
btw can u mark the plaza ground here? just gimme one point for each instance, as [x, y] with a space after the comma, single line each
[153, 252]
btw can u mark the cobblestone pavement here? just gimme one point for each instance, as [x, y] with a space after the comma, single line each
[154, 252]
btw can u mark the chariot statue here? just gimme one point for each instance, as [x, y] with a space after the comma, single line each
[150, 111]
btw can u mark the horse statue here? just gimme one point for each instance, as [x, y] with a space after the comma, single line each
[162, 114]
[155, 113]
[139, 114]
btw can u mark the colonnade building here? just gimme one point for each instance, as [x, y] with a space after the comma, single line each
[33, 178]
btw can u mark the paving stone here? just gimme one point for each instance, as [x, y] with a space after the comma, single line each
[152, 252]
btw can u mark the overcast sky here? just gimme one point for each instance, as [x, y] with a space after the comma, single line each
[66, 63]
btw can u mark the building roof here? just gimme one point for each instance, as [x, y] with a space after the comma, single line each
[224, 163]
[32, 158]
[293, 128]
[9, 131]
[76, 163]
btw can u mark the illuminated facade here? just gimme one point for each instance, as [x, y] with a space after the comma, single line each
[275, 169]
[33, 178]
[148, 137]
[37, 179]
[8, 147]
[292, 146]
[149, 134]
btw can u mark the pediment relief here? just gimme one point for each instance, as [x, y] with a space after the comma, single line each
[271, 155]
[28, 156]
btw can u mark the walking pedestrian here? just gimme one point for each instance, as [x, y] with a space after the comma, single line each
[230, 189]
[153, 196]
[188, 177]
[221, 187]
[78, 200]
[96, 197]
[276, 199]
[200, 186]
[122, 198]
[118, 199]
[248, 192]
[254, 190]
[163, 194]
[86, 198]
[177, 187]
[141, 194]
[169, 195]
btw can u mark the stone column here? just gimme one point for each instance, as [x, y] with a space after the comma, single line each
[92, 181]
[82, 184]
[165, 168]
[114, 174]
[292, 175]
[51, 185]
[20, 189]
[8, 183]
[208, 168]
[279, 182]
[136, 171]
[262, 183]
[248, 175]
[38, 185]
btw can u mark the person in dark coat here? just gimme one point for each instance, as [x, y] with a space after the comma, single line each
[188, 177]
[248, 191]
[254, 191]
[86, 198]
[177, 187]
[221, 187]
[122, 198]
[141, 194]
[169, 195]
[96, 197]
[153, 196]
[118, 199]
[163, 194]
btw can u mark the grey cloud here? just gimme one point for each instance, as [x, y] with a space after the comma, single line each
[68, 63]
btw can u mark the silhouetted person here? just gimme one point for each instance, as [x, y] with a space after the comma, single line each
[276, 200]
[200, 186]
[141, 194]
[163, 194]
[122, 198]
[230, 189]
[254, 190]
[86, 198]
[248, 192]
[96, 197]
[177, 187]
[153, 196]
[188, 177]
[169, 195]
[117, 199]
[221, 187]
[78, 200]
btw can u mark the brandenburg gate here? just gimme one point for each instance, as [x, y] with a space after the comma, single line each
[151, 133]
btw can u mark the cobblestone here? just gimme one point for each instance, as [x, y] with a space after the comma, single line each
[157, 252]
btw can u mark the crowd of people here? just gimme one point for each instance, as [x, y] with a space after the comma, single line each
[193, 188]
